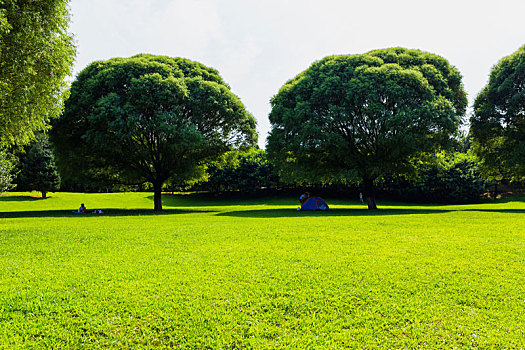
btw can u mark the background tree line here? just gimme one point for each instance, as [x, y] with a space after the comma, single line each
[449, 177]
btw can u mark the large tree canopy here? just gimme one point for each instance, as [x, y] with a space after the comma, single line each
[36, 54]
[355, 118]
[498, 123]
[148, 119]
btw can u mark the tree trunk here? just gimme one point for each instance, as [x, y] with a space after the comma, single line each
[157, 196]
[371, 201]
[44, 194]
[368, 185]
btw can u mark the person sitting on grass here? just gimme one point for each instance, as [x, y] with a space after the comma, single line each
[82, 208]
[304, 197]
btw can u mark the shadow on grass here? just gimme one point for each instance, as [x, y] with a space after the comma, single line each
[209, 200]
[107, 212]
[509, 199]
[20, 198]
[280, 213]
[508, 211]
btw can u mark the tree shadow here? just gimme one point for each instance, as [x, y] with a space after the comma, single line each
[107, 212]
[509, 199]
[20, 198]
[508, 211]
[209, 200]
[291, 213]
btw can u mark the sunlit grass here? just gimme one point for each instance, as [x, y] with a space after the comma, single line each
[257, 273]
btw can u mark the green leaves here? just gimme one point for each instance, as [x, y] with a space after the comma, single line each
[39, 171]
[149, 119]
[364, 114]
[498, 123]
[246, 172]
[37, 55]
[7, 165]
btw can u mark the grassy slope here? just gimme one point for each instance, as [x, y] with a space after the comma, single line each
[259, 274]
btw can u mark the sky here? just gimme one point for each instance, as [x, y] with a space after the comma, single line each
[258, 45]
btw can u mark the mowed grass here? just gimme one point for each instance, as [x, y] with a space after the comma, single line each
[258, 274]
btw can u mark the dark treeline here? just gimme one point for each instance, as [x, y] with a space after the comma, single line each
[452, 177]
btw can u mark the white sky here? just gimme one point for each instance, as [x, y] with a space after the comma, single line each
[258, 45]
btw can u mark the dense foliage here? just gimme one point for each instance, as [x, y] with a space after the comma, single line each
[498, 124]
[7, 165]
[247, 172]
[448, 178]
[148, 119]
[36, 54]
[356, 118]
[39, 171]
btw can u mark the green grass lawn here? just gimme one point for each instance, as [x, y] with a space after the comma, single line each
[258, 274]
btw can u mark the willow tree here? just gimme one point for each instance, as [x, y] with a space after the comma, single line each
[148, 119]
[498, 123]
[355, 118]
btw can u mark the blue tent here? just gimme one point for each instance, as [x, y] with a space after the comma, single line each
[314, 203]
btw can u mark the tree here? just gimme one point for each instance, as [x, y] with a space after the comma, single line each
[148, 119]
[244, 171]
[39, 171]
[445, 177]
[498, 123]
[355, 118]
[7, 165]
[37, 54]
